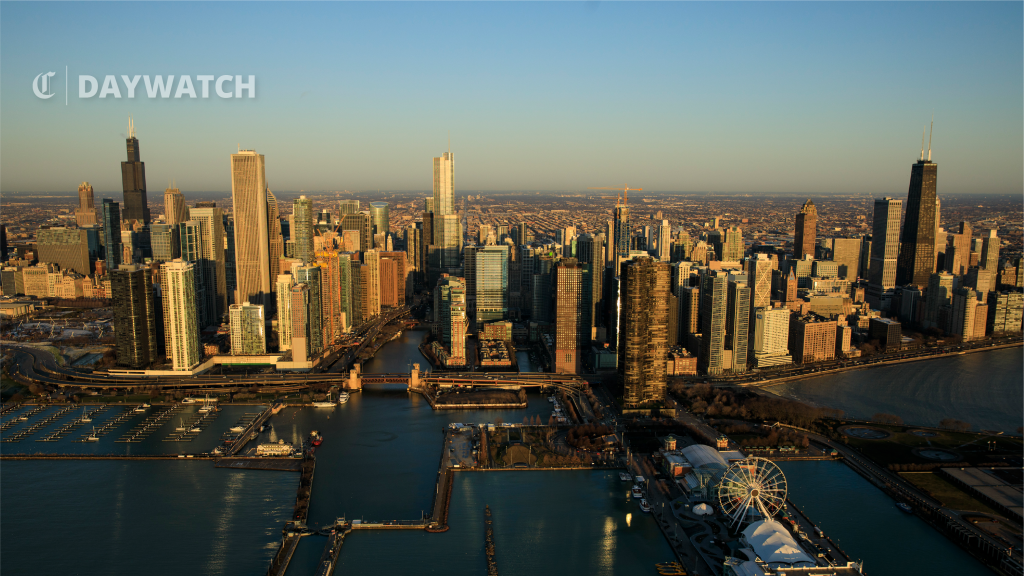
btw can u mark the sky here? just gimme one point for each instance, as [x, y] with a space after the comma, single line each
[696, 97]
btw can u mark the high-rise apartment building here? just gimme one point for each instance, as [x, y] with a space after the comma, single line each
[252, 234]
[312, 278]
[276, 243]
[958, 250]
[771, 337]
[806, 233]
[916, 261]
[283, 290]
[371, 287]
[759, 276]
[133, 181]
[330, 295]
[738, 323]
[112, 233]
[181, 326]
[643, 331]
[134, 316]
[714, 309]
[812, 338]
[570, 334]
[302, 233]
[166, 242]
[452, 319]
[248, 325]
[85, 215]
[885, 249]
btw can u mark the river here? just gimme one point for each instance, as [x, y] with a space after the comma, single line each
[983, 388]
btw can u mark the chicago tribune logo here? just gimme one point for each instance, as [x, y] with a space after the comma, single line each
[225, 86]
[41, 85]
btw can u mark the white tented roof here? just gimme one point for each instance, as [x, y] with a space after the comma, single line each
[702, 456]
[702, 509]
[774, 545]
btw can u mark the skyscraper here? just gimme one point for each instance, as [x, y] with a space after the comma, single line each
[175, 211]
[371, 288]
[885, 249]
[623, 232]
[990, 252]
[379, 218]
[738, 323]
[771, 337]
[450, 314]
[85, 215]
[248, 336]
[181, 327]
[643, 334]
[348, 207]
[732, 246]
[210, 259]
[133, 181]
[806, 233]
[444, 184]
[112, 233]
[664, 241]
[311, 277]
[252, 236]
[283, 290]
[759, 277]
[134, 316]
[302, 233]
[491, 283]
[569, 322]
[916, 261]
[714, 307]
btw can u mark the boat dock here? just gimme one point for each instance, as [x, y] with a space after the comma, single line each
[22, 434]
[252, 429]
[19, 418]
[329, 557]
[72, 426]
[143, 429]
[192, 428]
[127, 413]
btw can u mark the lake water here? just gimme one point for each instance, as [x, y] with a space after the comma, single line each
[865, 523]
[983, 389]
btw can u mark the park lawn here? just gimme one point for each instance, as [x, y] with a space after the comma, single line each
[944, 492]
[884, 452]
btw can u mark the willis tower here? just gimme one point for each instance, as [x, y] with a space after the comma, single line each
[133, 181]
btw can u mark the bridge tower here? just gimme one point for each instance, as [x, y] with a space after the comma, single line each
[354, 379]
[414, 377]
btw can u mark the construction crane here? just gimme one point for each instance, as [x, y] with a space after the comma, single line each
[625, 191]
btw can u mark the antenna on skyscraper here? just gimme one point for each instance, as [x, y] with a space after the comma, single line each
[449, 141]
[922, 145]
[930, 138]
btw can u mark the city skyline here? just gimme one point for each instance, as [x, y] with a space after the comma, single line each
[671, 111]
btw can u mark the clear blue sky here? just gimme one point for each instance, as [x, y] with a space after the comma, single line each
[758, 97]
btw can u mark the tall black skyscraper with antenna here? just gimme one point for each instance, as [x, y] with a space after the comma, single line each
[916, 261]
[133, 181]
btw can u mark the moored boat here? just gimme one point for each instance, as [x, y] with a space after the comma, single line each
[315, 438]
[624, 476]
[636, 492]
[644, 506]
[904, 507]
[343, 397]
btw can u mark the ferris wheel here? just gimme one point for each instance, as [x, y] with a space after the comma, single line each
[751, 489]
